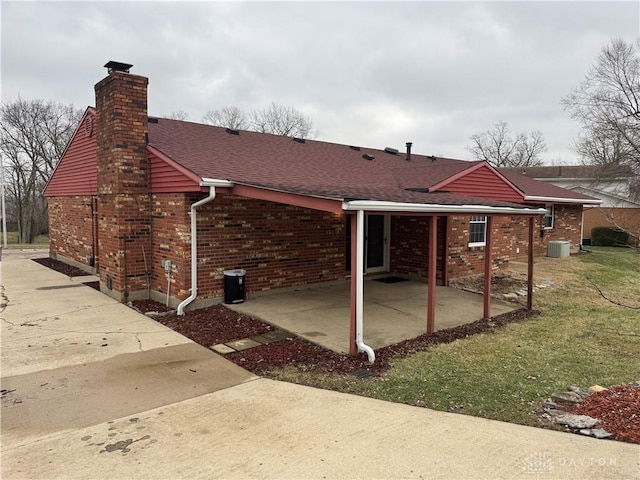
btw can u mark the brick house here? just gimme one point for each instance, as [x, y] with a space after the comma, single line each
[131, 192]
[616, 185]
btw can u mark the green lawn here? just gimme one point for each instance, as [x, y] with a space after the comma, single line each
[42, 241]
[580, 339]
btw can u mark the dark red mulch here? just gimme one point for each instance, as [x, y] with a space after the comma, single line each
[213, 325]
[617, 409]
[61, 267]
[145, 306]
[94, 285]
[309, 356]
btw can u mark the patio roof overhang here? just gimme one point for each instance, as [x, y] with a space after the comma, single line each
[580, 201]
[434, 209]
[360, 208]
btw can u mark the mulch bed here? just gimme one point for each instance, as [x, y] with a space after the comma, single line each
[61, 267]
[66, 269]
[617, 409]
[213, 325]
[218, 324]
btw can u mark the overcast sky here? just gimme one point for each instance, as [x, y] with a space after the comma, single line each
[372, 74]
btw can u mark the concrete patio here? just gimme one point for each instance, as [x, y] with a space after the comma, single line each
[393, 312]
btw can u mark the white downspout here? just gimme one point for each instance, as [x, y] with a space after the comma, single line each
[360, 287]
[194, 250]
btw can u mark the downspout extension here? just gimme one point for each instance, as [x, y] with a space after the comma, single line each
[194, 250]
[360, 288]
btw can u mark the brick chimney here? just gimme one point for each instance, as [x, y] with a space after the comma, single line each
[123, 183]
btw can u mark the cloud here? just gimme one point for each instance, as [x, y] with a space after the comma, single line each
[375, 74]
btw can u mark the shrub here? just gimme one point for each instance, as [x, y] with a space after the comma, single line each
[609, 237]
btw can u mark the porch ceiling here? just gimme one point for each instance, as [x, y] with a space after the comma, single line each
[392, 312]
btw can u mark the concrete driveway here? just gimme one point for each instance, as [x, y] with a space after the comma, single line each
[91, 389]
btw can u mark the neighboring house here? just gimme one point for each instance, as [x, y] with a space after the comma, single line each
[616, 185]
[132, 193]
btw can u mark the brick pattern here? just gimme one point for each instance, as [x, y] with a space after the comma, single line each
[71, 230]
[409, 246]
[278, 245]
[464, 260]
[123, 184]
[510, 239]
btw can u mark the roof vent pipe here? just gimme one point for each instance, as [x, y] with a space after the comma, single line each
[408, 158]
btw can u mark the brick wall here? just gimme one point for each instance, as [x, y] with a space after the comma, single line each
[123, 185]
[464, 260]
[409, 246]
[566, 226]
[278, 245]
[71, 230]
[510, 239]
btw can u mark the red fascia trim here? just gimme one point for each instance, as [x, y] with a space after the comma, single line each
[469, 170]
[89, 110]
[315, 203]
[186, 172]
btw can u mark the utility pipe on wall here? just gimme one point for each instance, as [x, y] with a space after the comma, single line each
[360, 287]
[212, 184]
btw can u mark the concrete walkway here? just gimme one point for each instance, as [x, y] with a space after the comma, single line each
[151, 404]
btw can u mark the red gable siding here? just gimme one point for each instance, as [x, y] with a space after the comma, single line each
[169, 177]
[77, 170]
[482, 182]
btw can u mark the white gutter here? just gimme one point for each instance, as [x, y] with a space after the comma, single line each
[215, 182]
[381, 206]
[212, 184]
[360, 287]
[583, 201]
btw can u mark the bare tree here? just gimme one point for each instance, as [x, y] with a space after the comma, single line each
[276, 119]
[229, 117]
[499, 148]
[281, 120]
[178, 115]
[607, 106]
[33, 136]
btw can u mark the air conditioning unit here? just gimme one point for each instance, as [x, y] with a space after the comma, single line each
[558, 249]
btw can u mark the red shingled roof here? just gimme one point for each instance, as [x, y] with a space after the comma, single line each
[273, 160]
[310, 168]
[537, 188]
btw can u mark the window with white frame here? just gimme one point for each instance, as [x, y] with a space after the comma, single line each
[547, 221]
[477, 231]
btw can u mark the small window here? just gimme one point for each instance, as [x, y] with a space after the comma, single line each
[548, 217]
[477, 231]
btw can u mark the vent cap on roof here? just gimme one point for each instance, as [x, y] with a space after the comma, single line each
[113, 66]
[232, 131]
[299, 140]
[353, 147]
[392, 151]
[368, 156]
[408, 157]
[152, 119]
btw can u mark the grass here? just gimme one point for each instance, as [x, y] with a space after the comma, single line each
[579, 339]
[41, 241]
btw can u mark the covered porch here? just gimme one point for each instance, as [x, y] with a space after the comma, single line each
[393, 311]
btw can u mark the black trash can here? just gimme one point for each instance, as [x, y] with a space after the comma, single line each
[234, 286]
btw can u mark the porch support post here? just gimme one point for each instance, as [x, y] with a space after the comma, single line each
[530, 265]
[431, 273]
[487, 271]
[353, 348]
